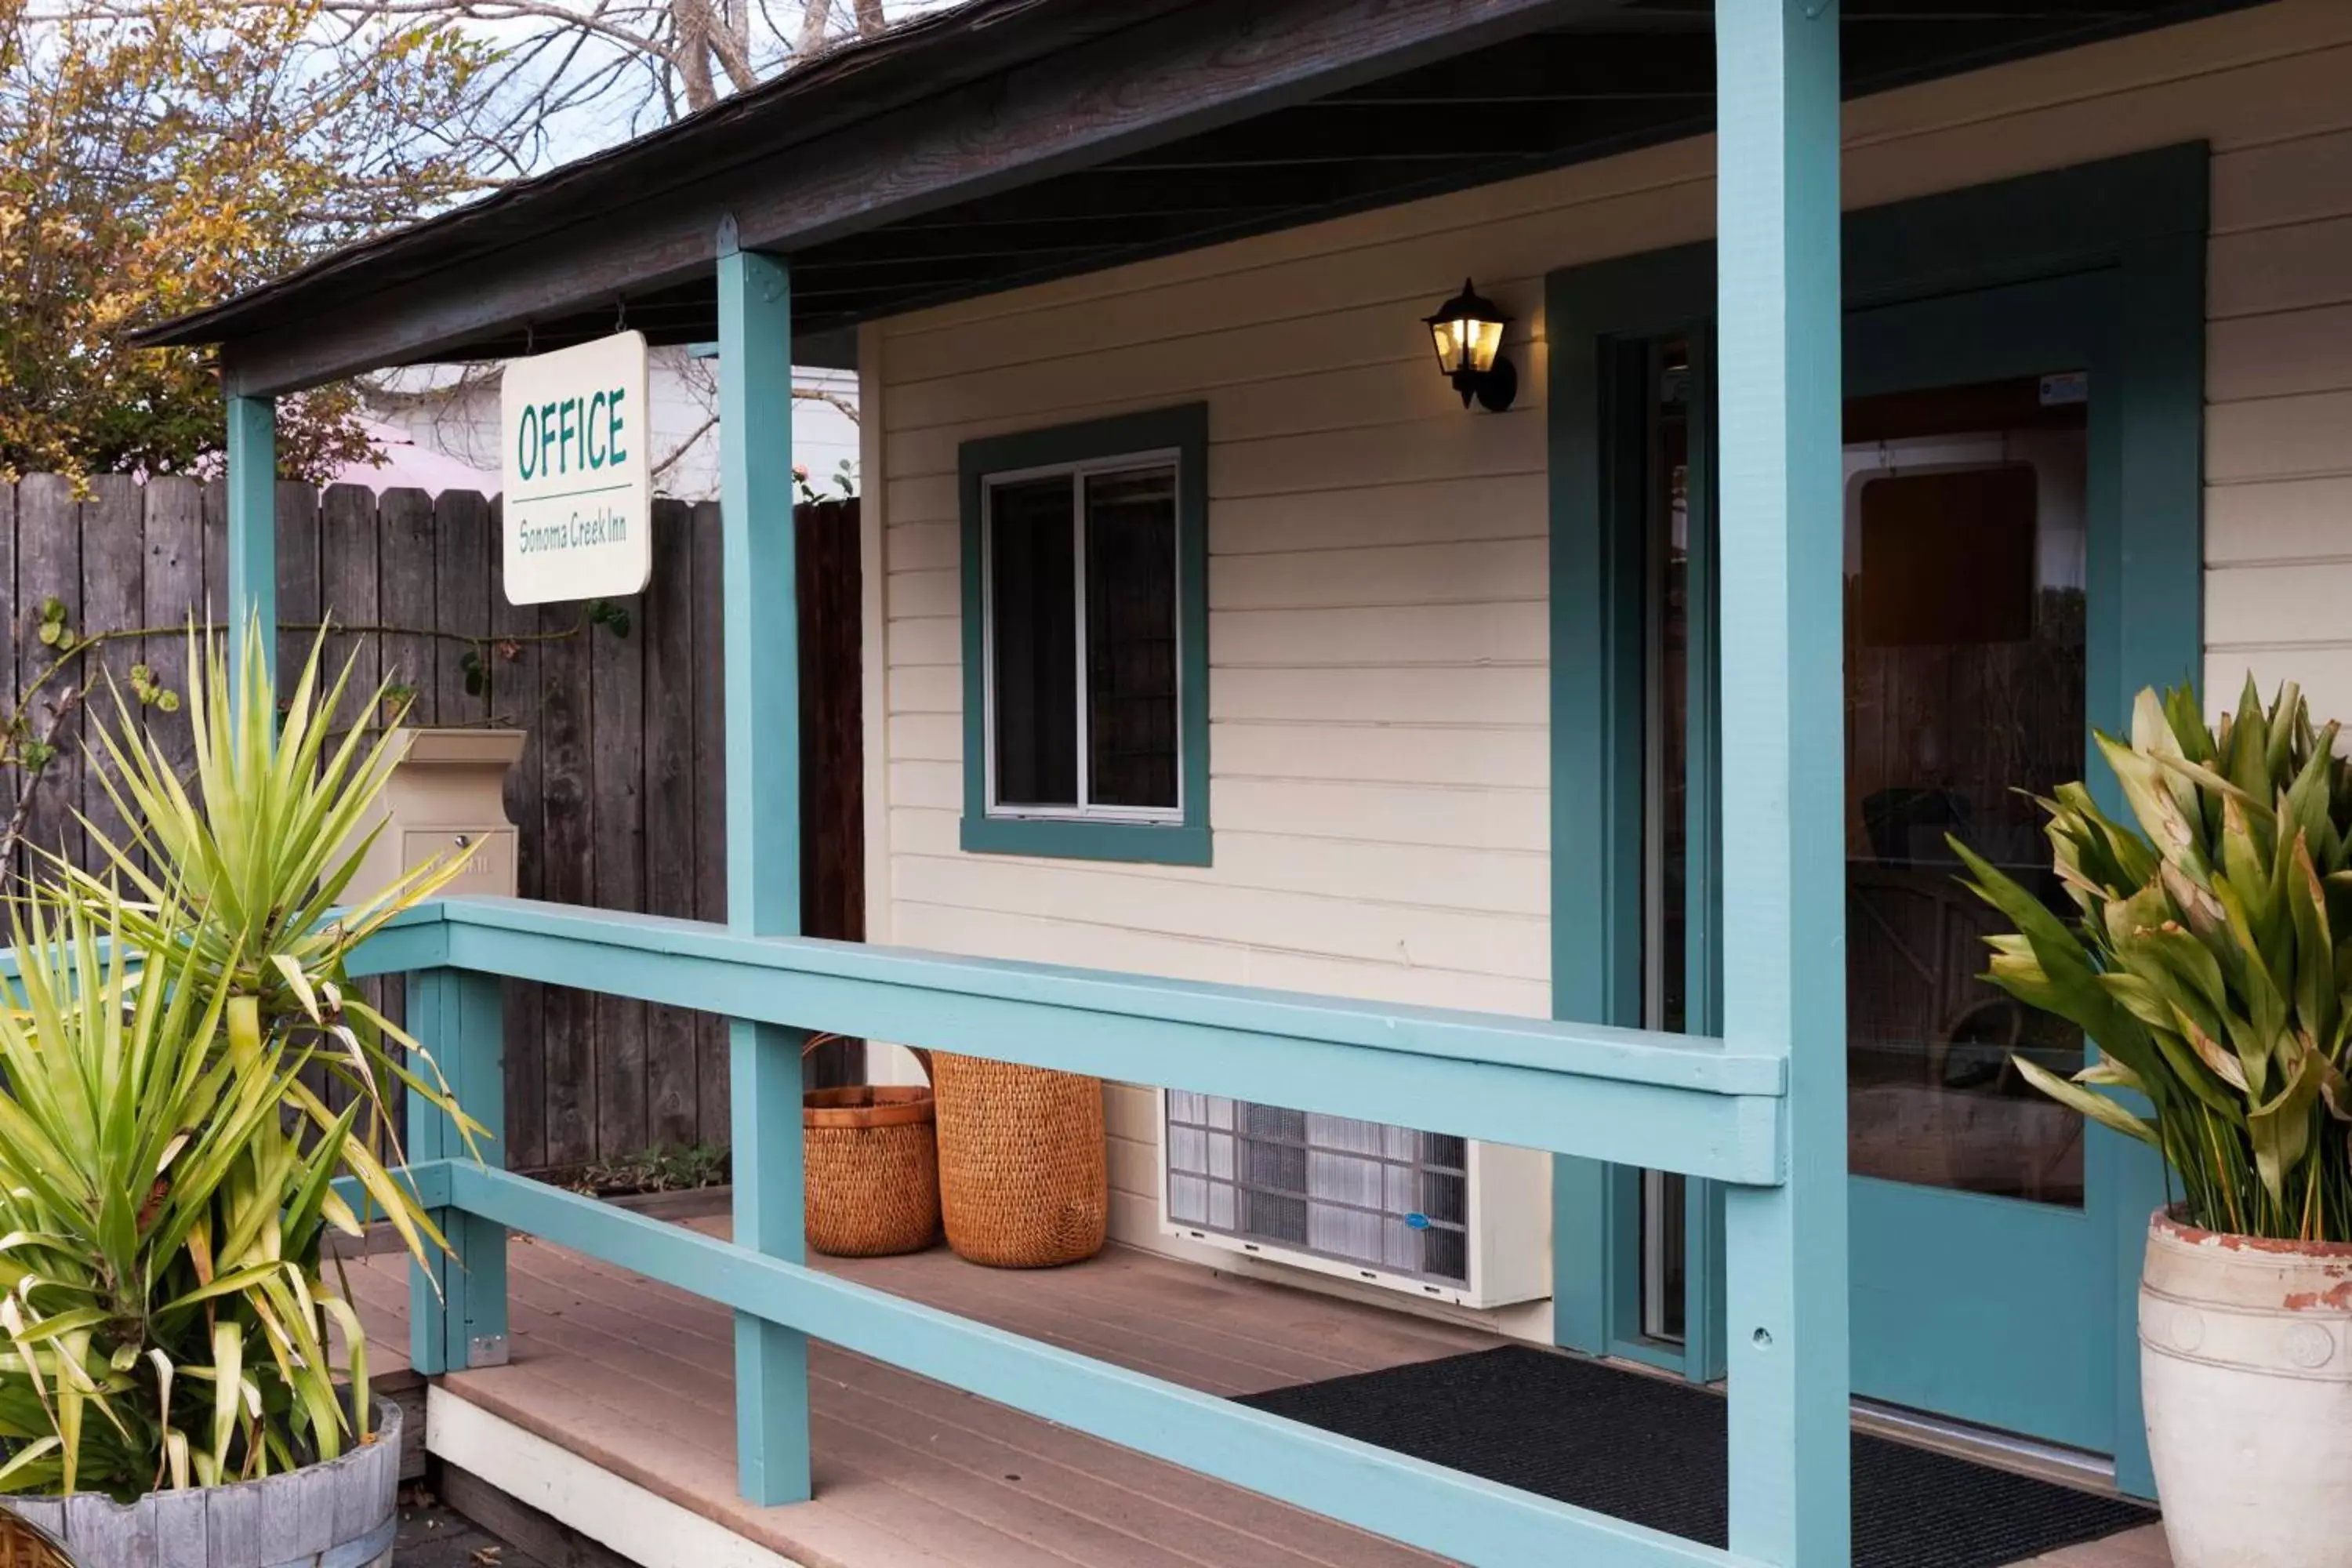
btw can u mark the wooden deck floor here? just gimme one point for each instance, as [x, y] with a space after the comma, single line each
[637, 1379]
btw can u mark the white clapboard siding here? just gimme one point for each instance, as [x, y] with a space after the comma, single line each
[1351, 515]
[2281, 353]
[1428, 571]
[1401, 694]
[2278, 435]
[926, 688]
[1378, 630]
[1304, 922]
[926, 641]
[1503, 881]
[1385, 752]
[2271, 438]
[1488, 630]
[2281, 522]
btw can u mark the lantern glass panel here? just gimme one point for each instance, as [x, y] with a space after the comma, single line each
[1465, 342]
[1453, 337]
[1484, 339]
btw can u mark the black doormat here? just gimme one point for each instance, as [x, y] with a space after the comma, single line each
[1652, 1451]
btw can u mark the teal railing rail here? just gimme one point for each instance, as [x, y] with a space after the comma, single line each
[1665, 1100]
[1767, 1123]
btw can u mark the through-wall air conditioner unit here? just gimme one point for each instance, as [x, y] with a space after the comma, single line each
[1423, 1214]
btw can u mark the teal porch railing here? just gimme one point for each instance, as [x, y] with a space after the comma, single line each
[1668, 1100]
[1764, 1119]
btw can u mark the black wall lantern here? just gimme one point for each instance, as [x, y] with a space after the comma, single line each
[1469, 332]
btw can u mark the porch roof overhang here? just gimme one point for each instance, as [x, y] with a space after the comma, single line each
[1005, 142]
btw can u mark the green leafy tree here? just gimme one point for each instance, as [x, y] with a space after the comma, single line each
[159, 155]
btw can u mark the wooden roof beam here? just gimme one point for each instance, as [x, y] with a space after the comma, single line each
[1203, 65]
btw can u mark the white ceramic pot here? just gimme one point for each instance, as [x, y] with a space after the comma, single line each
[2246, 1376]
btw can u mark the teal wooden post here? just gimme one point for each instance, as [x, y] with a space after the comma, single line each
[457, 1305]
[761, 642]
[252, 527]
[1783, 561]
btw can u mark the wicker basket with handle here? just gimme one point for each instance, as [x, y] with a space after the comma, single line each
[1023, 1178]
[872, 1167]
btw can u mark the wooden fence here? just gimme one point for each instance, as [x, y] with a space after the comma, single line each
[620, 795]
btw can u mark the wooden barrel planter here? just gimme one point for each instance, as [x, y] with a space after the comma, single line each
[340, 1514]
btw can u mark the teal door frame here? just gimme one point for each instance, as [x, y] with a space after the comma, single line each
[2138, 223]
[1600, 321]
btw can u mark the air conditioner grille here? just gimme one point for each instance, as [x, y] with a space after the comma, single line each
[1359, 1192]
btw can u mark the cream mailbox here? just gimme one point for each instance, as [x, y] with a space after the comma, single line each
[446, 793]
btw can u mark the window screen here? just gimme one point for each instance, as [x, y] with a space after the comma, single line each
[1033, 578]
[1082, 611]
[1131, 639]
[1358, 1192]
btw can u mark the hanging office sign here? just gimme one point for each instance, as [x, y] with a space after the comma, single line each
[577, 472]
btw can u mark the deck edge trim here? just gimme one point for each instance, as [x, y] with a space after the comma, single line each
[633, 1519]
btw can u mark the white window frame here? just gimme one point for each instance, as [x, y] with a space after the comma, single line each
[1168, 458]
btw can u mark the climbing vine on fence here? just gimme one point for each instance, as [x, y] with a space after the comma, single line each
[73, 671]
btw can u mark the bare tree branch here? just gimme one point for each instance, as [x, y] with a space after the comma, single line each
[571, 75]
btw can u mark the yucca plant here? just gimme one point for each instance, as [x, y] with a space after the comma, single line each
[249, 863]
[2205, 961]
[165, 1171]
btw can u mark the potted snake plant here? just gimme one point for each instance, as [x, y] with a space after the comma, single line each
[181, 1379]
[2209, 958]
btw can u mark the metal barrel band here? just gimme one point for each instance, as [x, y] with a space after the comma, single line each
[360, 1553]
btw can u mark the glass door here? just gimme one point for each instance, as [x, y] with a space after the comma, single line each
[1982, 533]
[1979, 524]
[1967, 546]
[2021, 465]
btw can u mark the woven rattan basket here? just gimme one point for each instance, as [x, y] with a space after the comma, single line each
[1023, 1183]
[24, 1546]
[872, 1167]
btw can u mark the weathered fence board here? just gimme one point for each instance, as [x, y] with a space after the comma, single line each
[461, 569]
[299, 583]
[672, 1061]
[48, 556]
[834, 876]
[9, 574]
[408, 593]
[8, 584]
[619, 796]
[713, 1084]
[113, 594]
[567, 811]
[174, 591]
[349, 534]
[616, 841]
[514, 697]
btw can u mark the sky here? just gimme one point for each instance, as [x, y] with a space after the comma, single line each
[623, 105]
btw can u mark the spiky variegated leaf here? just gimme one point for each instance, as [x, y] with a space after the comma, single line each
[2206, 962]
[165, 1174]
[2097, 1107]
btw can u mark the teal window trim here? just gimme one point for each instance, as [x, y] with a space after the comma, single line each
[2141, 220]
[1182, 430]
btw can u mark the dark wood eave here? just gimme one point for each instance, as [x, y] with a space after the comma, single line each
[933, 113]
[1007, 141]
